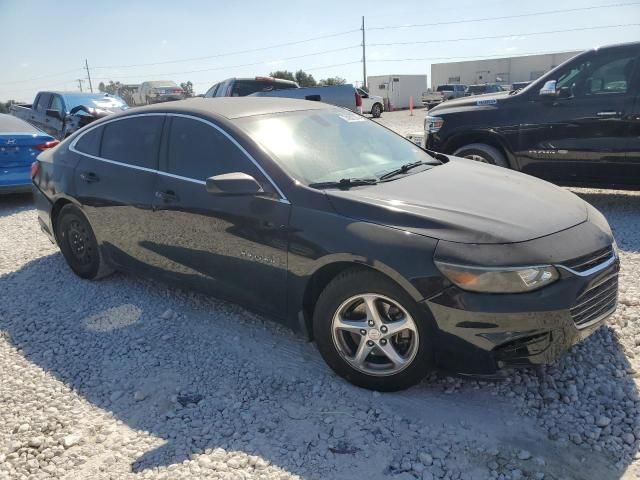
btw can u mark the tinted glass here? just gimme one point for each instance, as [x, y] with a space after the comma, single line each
[43, 101]
[197, 150]
[133, 140]
[90, 142]
[56, 103]
[598, 74]
[325, 146]
[242, 88]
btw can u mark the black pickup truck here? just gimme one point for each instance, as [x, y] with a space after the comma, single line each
[577, 125]
[61, 113]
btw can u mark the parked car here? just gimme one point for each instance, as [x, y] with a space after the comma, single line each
[339, 95]
[576, 125]
[157, 91]
[344, 96]
[483, 88]
[372, 104]
[443, 92]
[241, 87]
[519, 85]
[394, 259]
[20, 143]
[430, 98]
[61, 113]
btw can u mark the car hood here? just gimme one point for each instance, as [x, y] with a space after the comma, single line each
[486, 100]
[467, 202]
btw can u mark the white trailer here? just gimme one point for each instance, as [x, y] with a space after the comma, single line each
[398, 89]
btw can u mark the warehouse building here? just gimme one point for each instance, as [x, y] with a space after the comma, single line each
[398, 89]
[504, 71]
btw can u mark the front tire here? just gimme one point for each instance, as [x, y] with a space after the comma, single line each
[376, 110]
[79, 245]
[371, 332]
[482, 153]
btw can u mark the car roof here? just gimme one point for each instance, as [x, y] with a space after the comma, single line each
[230, 107]
[11, 124]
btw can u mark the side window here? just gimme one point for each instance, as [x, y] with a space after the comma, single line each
[133, 140]
[56, 103]
[43, 102]
[89, 143]
[197, 150]
[212, 91]
[612, 77]
[598, 75]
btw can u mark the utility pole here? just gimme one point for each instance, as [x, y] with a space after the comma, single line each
[86, 65]
[80, 84]
[364, 59]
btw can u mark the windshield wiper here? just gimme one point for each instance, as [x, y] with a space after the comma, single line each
[403, 169]
[345, 183]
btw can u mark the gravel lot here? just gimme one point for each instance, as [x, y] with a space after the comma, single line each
[126, 378]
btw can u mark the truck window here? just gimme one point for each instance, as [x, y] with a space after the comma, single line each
[56, 103]
[242, 88]
[43, 102]
[598, 75]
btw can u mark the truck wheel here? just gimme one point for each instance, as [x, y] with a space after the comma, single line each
[376, 110]
[482, 153]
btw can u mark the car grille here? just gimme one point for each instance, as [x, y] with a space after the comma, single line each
[584, 263]
[596, 302]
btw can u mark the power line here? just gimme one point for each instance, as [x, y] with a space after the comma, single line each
[497, 55]
[253, 64]
[504, 35]
[237, 52]
[505, 17]
[40, 78]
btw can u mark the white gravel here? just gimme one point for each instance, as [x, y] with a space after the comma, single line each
[126, 378]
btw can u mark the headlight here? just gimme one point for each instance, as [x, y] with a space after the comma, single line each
[432, 124]
[499, 280]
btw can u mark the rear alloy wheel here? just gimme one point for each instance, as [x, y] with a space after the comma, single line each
[484, 153]
[79, 245]
[370, 332]
[376, 110]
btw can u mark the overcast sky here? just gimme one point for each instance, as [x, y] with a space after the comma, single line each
[51, 39]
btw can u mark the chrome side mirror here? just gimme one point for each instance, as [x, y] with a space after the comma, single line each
[549, 89]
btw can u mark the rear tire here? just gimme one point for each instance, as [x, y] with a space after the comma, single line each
[482, 153]
[79, 246]
[394, 353]
[376, 110]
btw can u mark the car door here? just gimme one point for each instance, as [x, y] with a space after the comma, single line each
[232, 246]
[54, 116]
[579, 133]
[40, 110]
[114, 182]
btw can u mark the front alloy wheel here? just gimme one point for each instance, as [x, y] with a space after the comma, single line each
[375, 335]
[372, 332]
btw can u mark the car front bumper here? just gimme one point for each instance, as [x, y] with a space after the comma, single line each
[480, 334]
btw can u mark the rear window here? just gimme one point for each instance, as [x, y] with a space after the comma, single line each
[133, 140]
[11, 124]
[445, 88]
[242, 88]
[476, 89]
[89, 143]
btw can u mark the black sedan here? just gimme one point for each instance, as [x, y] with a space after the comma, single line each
[394, 259]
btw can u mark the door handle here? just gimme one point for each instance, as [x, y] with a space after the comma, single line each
[89, 177]
[167, 196]
[608, 114]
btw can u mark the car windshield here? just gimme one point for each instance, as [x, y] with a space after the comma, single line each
[103, 102]
[326, 145]
[163, 84]
[477, 89]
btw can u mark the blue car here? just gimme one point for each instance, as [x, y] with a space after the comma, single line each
[20, 144]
